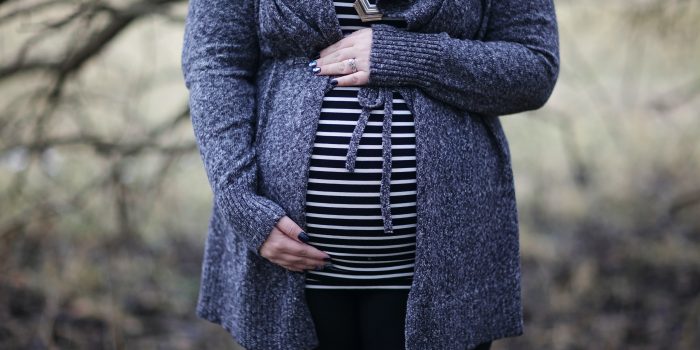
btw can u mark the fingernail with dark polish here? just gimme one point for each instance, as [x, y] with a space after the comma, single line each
[316, 69]
[303, 236]
[312, 63]
[334, 82]
[328, 258]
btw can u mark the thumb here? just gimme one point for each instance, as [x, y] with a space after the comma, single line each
[292, 230]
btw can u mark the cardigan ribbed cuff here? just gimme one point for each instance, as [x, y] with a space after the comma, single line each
[399, 57]
[253, 216]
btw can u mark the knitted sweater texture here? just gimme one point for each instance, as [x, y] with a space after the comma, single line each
[460, 64]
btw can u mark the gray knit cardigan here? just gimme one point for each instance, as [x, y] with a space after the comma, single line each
[460, 64]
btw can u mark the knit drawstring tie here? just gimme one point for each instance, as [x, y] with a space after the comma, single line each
[370, 98]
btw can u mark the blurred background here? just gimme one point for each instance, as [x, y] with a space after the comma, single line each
[104, 202]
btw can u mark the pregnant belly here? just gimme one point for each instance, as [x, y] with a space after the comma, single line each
[343, 210]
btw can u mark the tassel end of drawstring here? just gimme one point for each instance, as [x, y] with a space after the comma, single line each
[350, 163]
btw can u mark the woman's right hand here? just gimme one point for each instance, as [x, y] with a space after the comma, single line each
[283, 247]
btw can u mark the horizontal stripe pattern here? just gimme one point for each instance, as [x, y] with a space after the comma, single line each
[343, 211]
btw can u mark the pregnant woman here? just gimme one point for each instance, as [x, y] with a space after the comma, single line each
[363, 191]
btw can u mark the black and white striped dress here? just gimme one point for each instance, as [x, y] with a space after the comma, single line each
[343, 210]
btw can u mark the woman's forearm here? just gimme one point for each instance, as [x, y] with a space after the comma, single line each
[513, 69]
[219, 63]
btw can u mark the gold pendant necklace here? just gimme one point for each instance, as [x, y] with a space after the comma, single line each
[367, 11]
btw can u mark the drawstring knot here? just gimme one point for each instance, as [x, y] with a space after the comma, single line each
[370, 98]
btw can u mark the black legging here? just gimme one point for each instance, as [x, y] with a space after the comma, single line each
[364, 319]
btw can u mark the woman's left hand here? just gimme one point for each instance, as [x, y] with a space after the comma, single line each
[334, 60]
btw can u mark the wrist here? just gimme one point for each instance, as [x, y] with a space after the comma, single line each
[399, 57]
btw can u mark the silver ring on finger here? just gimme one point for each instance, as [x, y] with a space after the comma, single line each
[353, 65]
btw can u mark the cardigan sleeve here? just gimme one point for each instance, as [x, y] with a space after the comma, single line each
[513, 69]
[219, 63]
